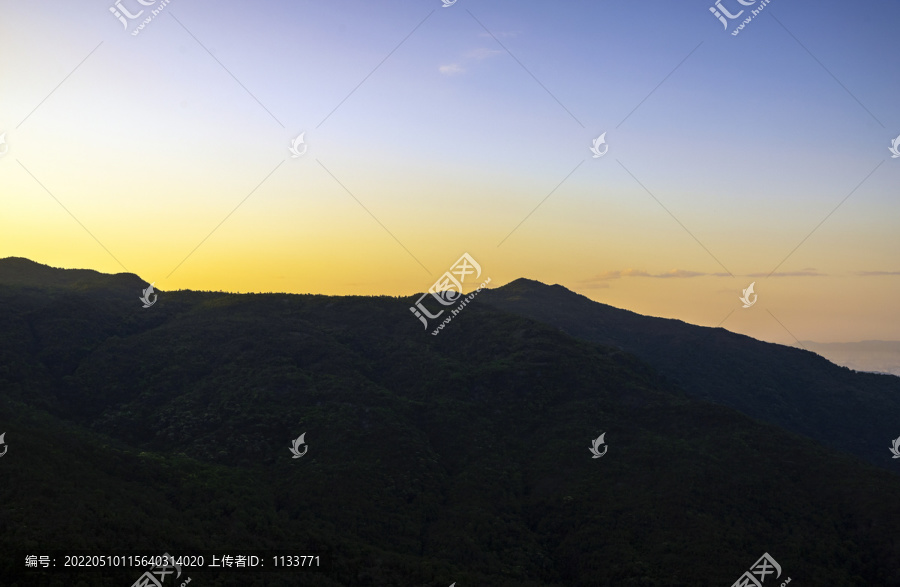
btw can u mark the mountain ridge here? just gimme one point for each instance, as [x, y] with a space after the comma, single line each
[792, 388]
[25, 272]
[463, 457]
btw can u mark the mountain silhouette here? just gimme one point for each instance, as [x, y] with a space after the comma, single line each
[25, 272]
[792, 388]
[463, 457]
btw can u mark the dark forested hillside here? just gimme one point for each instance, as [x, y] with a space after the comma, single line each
[431, 460]
[798, 390]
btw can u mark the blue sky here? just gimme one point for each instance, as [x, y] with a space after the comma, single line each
[435, 131]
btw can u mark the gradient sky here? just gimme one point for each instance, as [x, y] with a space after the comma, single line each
[436, 131]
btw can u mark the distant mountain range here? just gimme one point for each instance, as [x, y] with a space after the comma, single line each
[791, 388]
[462, 458]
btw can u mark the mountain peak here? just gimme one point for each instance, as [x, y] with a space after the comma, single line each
[534, 287]
[25, 272]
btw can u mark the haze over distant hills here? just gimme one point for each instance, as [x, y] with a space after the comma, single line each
[792, 388]
[458, 458]
[874, 356]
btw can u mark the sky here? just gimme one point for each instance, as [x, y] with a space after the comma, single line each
[429, 131]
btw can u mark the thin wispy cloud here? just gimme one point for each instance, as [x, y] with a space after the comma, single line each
[673, 274]
[478, 54]
[484, 53]
[600, 280]
[809, 272]
[500, 34]
[876, 273]
[451, 69]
